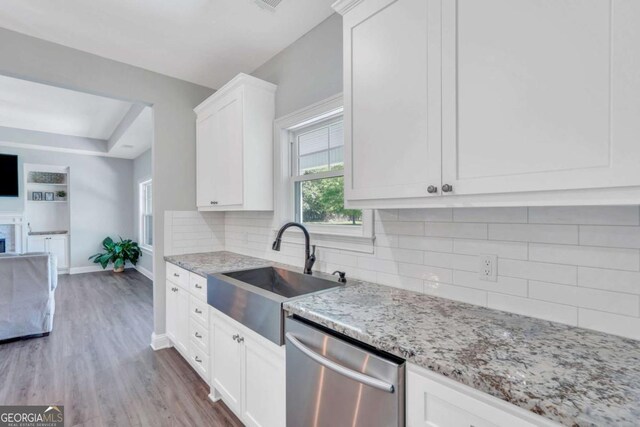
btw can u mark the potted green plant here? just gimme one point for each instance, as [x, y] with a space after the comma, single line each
[117, 253]
[61, 195]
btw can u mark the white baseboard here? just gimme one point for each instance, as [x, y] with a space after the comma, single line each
[92, 269]
[148, 274]
[158, 342]
[214, 396]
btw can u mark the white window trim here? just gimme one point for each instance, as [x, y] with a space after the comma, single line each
[141, 243]
[330, 236]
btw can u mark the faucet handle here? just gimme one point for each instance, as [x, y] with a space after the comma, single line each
[343, 276]
[313, 250]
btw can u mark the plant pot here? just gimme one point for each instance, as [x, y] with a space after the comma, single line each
[118, 270]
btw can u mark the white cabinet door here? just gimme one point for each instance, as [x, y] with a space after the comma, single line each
[540, 95]
[227, 363]
[392, 99]
[264, 385]
[228, 147]
[171, 312]
[36, 244]
[57, 245]
[206, 192]
[182, 320]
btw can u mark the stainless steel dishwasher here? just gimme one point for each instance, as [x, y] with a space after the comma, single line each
[333, 381]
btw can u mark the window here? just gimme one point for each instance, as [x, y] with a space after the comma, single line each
[146, 215]
[318, 175]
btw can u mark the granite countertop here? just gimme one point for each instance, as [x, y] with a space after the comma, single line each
[46, 233]
[573, 376]
[216, 262]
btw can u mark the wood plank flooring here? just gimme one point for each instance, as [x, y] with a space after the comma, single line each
[98, 364]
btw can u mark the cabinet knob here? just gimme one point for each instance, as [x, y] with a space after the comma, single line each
[240, 339]
[174, 289]
[214, 202]
[198, 359]
[432, 189]
[176, 275]
[235, 337]
[198, 335]
[198, 287]
[447, 188]
[198, 311]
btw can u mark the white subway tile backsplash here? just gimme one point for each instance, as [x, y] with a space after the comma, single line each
[530, 307]
[576, 265]
[609, 280]
[457, 230]
[509, 215]
[539, 233]
[619, 259]
[457, 293]
[426, 215]
[555, 273]
[610, 323]
[436, 244]
[585, 215]
[612, 302]
[610, 236]
[511, 250]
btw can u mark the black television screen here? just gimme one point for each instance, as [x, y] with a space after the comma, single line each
[8, 175]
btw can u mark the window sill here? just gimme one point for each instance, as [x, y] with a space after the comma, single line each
[323, 239]
[147, 249]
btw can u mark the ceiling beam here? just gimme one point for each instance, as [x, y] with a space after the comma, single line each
[124, 125]
[14, 137]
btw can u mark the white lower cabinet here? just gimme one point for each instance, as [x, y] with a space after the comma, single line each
[56, 244]
[248, 372]
[436, 401]
[187, 318]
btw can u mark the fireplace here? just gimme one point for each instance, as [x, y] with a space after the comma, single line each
[3, 246]
[11, 229]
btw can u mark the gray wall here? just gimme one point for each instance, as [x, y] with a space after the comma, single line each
[309, 70]
[174, 120]
[141, 172]
[100, 196]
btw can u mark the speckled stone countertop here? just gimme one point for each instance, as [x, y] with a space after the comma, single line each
[570, 375]
[216, 262]
[45, 233]
[573, 376]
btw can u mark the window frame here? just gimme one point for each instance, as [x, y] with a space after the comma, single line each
[142, 192]
[358, 238]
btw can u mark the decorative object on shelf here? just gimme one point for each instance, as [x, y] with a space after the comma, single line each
[37, 196]
[47, 178]
[62, 195]
[117, 253]
[48, 196]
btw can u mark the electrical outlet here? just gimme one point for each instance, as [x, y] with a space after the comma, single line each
[489, 268]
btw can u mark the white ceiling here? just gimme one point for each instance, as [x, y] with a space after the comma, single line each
[39, 107]
[201, 41]
[70, 121]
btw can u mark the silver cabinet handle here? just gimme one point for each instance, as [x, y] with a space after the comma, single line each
[198, 286]
[198, 359]
[198, 335]
[198, 311]
[349, 373]
[432, 189]
[176, 275]
[214, 202]
[174, 289]
[235, 337]
[240, 339]
[447, 188]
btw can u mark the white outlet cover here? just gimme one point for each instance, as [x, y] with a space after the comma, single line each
[488, 269]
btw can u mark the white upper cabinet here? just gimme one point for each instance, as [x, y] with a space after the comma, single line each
[491, 102]
[391, 95]
[234, 135]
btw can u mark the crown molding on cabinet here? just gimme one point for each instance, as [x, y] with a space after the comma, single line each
[344, 6]
[239, 80]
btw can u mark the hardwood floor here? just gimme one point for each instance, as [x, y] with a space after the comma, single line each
[98, 364]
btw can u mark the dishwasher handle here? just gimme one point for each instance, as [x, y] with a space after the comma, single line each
[349, 373]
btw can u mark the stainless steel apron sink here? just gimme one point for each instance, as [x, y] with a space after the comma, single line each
[255, 297]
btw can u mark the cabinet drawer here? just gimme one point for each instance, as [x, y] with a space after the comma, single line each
[178, 275]
[198, 286]
[199, 360]
[199, 335]
[199, 311]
